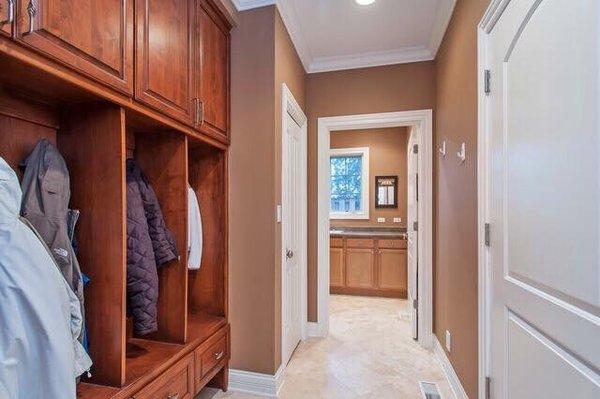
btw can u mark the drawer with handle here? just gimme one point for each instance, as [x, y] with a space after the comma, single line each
[175, 383]
[208, 358]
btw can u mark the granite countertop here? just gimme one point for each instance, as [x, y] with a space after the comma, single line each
[368, 232]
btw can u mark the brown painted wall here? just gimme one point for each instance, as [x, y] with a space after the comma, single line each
[262, 59]
[358, 91]
[387, 157]
[455, 192]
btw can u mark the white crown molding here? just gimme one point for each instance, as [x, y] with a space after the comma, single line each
[243, 5]
[451, 376]
[365, 60]
[443, 15]
[256, 383]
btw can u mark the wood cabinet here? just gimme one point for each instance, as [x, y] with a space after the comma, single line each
[177, 382]
[164, 77]
[7, 16]
[212, 70]
[368, 266]
[336, 267]
[95, 37]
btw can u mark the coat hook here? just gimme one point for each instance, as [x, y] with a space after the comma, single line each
[442, 149]
[462, 154]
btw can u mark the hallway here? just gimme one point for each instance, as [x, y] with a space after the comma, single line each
[369, 353]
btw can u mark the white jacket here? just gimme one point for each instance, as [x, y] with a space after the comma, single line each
[40, 317]
[194, 231]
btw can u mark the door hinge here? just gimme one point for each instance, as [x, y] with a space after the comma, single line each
[415, 148]
[487, 81]
[488, 388]
[415, 226]
[415, 304]
[488, 233]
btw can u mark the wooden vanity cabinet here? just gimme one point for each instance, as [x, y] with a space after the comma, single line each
[94, 37]
[368, 266]
[164, 74]
[212, 70]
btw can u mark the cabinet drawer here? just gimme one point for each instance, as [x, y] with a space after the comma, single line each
[336, 242]
[177, 382]
[392, 243]
[208, 358]
[360, 243]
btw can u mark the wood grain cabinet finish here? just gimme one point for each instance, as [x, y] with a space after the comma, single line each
[212, 70]
[336, 267]
[368, 266]
[392, 269]
[164, 77]
[176, 383]
[7, 16]
[94, 37]
[360, 268]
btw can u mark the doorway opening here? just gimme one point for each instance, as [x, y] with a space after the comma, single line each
[379, 253]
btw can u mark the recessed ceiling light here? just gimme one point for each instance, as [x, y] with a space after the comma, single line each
[364, 2]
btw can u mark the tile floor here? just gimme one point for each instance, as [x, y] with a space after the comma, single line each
[368, 354]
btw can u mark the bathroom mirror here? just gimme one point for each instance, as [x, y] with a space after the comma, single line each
[386, 191]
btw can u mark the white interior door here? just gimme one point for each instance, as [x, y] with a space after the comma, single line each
[544, 137]
[291, 228]
[412, 234]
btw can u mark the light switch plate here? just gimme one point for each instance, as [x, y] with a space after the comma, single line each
[397, 220]
[448, 341]
[380, 220]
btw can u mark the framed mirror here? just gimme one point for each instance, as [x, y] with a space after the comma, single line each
[386, 191]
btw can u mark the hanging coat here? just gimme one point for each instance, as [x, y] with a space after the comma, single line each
[46, 195]
[149, 244]
[40, 318]
[194, 231]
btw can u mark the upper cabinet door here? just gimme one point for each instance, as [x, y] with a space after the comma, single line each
[164, 56]
[7, 16]
[212, 69]
[94, 37]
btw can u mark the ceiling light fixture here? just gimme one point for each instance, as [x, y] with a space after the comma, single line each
[364, 2]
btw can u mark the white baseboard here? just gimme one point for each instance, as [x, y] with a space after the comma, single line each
[256, 383]
[316, 330]
[455, 385]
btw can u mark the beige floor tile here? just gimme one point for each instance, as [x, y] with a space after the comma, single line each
[368, 354]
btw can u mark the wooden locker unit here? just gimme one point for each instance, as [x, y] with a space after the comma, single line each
[73, 84]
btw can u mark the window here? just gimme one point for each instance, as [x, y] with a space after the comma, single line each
[349, 183]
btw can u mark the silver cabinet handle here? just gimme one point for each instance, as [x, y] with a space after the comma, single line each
[31, 11]
[11, 13]
[219, 355]
[199, 111]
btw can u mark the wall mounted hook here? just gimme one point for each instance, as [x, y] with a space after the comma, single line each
[462, 154]
[442, 149]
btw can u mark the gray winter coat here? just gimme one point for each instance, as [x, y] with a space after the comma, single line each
[149, 244]
[40, 318]
[46, 194]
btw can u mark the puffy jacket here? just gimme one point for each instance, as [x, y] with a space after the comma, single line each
[40, 318]
[149, 244]
[46, 195]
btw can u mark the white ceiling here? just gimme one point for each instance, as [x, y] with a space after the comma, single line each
[331, 35]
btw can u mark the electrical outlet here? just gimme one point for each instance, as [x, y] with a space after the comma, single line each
[380, 220]
[448, 341]
[397, 220]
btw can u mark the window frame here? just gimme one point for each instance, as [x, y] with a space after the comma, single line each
[364, 152]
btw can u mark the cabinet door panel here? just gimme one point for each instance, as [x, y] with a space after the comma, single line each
[7, 16]
[359, 268]
[213, 69]
[336, 269]
[164, 58]
[94, 37]
[392, 269]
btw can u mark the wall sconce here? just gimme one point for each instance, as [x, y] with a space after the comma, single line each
[442, 149]
[462, 154]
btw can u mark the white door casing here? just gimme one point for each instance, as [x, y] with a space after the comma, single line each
[293, 226]
[412, 234]
[541, 186]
